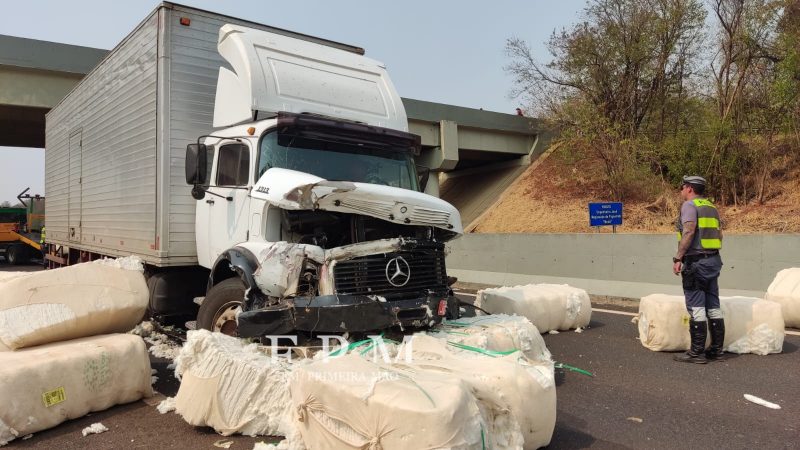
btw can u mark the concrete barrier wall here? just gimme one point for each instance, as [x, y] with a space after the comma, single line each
[625, 265]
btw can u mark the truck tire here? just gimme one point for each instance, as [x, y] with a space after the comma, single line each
[17, 254]
[219, 308]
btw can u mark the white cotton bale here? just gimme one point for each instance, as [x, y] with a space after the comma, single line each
[752, 325]
[442, 398]
[663, 323]
[41, 387]
[548, 306]
[351, 403]
[231, 386]
[755, 325]
[516, 396]
[9, 275]
[785, 290]
[497, 332]
[77, 301]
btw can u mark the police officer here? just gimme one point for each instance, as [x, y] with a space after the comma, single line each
[43, 248]
[699, 264]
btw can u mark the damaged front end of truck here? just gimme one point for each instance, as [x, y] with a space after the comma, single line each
[357, 288]
[335, 256]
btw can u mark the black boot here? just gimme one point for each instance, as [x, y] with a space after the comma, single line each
[698, 332]
[716, 328]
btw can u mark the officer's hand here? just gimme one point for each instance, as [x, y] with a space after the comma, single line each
[676, 267]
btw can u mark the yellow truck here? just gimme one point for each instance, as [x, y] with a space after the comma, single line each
[20, 230]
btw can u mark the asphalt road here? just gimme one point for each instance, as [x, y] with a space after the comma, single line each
[643, 399]
[637, 399]
[6, 267]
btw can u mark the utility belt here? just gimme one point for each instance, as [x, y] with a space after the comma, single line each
[699, 256]
[691, 279]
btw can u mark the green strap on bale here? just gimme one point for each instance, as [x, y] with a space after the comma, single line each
[495, 354]
[357, 344]
[456, 324]
[370, 346]
[492, 353]
[573, 369]
[351, 347]
[462, 324]
[457, 332]
[412, 381]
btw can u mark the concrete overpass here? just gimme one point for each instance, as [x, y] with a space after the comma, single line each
[476, 154]
[34, 76]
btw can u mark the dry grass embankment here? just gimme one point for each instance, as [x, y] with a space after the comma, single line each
[552, 197]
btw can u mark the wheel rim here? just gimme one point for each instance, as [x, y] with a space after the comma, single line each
[225, 319]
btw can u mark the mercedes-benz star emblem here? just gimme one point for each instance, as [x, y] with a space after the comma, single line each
[398, 272]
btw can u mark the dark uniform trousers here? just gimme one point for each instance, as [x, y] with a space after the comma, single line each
[700, 277]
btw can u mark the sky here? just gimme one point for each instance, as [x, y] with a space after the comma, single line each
[444, 51]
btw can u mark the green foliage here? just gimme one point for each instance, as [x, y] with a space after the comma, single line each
[634, 87]
[624, 158]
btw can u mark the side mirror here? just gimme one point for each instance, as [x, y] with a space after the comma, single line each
[196, 164]
[423, 173]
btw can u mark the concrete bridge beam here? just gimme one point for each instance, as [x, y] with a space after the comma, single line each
[443, 156]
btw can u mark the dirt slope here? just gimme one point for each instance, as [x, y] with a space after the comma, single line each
[553, 197]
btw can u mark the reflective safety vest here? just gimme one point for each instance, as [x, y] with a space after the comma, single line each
[41, 238]
[708, 231]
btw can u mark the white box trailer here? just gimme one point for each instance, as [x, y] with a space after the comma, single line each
[115, 145]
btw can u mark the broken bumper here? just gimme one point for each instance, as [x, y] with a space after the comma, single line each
[346, 313]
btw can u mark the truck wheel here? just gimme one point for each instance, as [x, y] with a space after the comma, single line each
[16, 254]
[218, 310]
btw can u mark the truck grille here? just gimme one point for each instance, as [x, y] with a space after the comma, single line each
[431, 216]
[366, 275]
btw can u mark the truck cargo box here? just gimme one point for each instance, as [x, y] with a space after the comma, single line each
[115, 144]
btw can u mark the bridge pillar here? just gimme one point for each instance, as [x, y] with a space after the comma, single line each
[444, 156]
[432, 188]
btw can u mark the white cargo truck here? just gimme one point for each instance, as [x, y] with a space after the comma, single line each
[267, 173]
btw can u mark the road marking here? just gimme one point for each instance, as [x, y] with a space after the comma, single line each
[611, 311]
[623, 313]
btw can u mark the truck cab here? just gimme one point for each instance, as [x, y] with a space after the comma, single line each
[310, 213]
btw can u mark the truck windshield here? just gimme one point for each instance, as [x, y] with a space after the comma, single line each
[339, 162]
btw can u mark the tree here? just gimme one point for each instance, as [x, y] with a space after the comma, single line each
[5, 204]
[612, 76]
[622, 59]
[745, 70]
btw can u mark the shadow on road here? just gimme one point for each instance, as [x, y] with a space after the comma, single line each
[567, 435]
[788, 347]
[595, 324]
[560, 377]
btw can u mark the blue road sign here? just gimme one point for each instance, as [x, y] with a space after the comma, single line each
[605, 214]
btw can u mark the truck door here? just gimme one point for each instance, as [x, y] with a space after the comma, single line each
[75, 187]
[228, 215]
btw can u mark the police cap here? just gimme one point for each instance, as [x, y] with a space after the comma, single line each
[694, 180]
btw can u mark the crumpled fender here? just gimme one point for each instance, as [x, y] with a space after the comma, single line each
[243, 262]
[280, 264]
[275, 267]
